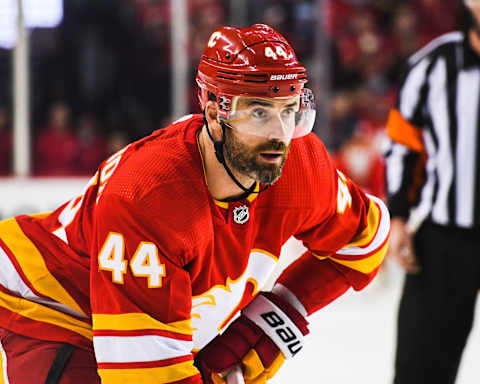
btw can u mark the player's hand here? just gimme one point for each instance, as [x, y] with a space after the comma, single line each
[268, 330]
[401, 246]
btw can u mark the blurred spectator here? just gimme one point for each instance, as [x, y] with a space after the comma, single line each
[373, 39]
[362, 163]
[403, 39]
[6, 143]
[112, 59]
[92, 145]
[437, 17]
[342, 118]
[57, 148]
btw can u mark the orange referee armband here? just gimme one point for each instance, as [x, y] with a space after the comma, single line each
[403, 132]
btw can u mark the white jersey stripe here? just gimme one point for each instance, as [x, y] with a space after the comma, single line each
[395, 167]
[380, 237]
[134, 349]
[438, 105]
[410, 93]
[468, 89]
[11, 280]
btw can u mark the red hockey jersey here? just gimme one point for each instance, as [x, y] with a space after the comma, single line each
[145, 267]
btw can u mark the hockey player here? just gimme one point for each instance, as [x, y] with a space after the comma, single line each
[154, 273]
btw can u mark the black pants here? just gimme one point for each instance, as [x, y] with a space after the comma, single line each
[437, 307]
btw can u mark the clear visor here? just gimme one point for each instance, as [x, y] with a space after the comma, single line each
[282, 118]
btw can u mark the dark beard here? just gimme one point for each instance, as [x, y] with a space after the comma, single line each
[245, 160]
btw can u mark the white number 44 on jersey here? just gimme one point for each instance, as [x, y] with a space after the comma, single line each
[145, 261]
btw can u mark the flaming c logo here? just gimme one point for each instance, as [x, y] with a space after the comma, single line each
[212, 310]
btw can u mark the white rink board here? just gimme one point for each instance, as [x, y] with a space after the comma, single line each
[35, 195]
[351, 340]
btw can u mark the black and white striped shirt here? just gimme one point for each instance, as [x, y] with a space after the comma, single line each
[433, 159]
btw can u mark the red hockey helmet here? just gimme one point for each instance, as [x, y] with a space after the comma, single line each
[255, 62]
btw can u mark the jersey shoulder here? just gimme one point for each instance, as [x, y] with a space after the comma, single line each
[166, 158]
[160, 187]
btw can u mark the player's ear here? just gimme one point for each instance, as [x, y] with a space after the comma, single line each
[211, 114]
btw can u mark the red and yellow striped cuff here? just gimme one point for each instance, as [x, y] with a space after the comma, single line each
[135, 373]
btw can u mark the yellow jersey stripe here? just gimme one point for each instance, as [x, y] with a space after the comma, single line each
[40, 215]
[382, 232]
[254, 194]
[138, 321]
[44, 314]
[367, 235]
[3, 365]
[33, 265]
[366, 265]
[221, 204]
[166, 374]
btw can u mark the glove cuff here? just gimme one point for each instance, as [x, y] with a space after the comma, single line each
[280, 321]
[299, 320]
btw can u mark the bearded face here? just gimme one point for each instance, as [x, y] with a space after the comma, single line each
[261, 160]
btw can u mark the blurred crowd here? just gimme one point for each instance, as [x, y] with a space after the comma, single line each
[103, 77]
[371, 41]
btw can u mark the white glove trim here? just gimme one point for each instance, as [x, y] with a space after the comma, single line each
[289, 296]
[276, 324]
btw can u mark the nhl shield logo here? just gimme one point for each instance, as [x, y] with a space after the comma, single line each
[241, 214]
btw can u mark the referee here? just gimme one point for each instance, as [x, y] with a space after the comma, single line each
[433, 180]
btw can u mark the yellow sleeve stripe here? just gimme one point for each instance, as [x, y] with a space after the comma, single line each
[365, 265]
[44, 314]
[382, 233]
[138, 321]
[368, 234]
[33, 265]
[370, 247]
[39, 216]
[168, 374]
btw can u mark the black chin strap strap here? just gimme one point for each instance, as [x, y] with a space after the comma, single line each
[218, 145]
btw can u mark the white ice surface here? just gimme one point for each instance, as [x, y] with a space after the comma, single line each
[352, 340]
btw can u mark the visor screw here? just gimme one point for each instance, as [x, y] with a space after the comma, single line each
[276, 89]
[292, 88]
[227, 55]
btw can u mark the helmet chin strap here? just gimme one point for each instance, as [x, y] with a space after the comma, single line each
[218, 145]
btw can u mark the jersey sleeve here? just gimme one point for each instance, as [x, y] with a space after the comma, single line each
[141, 299]
[405, 156]
[344, 250]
